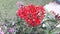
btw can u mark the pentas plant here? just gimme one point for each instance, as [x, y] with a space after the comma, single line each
[33, 15]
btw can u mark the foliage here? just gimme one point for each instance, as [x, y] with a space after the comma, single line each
[16, 25]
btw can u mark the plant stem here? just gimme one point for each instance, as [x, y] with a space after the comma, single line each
[30, 30]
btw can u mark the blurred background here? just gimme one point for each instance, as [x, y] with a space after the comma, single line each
[9, 6]
[9, 21]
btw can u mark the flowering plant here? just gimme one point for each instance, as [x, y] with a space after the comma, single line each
[31, 14]
[31, 19]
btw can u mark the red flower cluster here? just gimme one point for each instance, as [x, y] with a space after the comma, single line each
[33, 15]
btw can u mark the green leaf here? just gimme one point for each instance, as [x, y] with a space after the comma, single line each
[51, 22]
[56, 30]
[48, 27]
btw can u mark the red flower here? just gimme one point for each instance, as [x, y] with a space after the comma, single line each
[33, 15]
